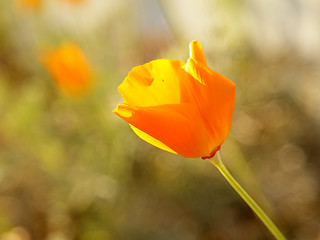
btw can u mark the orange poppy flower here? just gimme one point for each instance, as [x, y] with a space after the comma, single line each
[30, 3]
[181, 108]
[74, 1]
[69, 68]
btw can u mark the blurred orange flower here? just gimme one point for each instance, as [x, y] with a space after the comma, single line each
[74, 1]
[181, 108]
[69, 68]
[30, 3]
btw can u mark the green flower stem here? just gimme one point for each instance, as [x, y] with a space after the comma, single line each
[245, 196]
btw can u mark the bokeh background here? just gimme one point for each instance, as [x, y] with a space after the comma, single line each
[72, 170]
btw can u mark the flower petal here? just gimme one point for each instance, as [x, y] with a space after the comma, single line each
[153, 83]
[177, 126]
[146, 137]
[196, 52]
[215, 98]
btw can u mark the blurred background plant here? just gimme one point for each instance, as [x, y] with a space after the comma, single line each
[70, 169]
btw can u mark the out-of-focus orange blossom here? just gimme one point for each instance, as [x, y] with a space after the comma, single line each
[69, 68]
[74, 1]
[34, 4]
[181, 108]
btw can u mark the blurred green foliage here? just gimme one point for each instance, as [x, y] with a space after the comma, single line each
[70, 169]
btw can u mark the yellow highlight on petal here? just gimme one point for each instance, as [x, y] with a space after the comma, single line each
[151, 140]
[123, 110]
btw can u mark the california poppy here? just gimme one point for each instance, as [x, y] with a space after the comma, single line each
[69, 68]
[30, 3]
[74, 1]
[183, 108]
